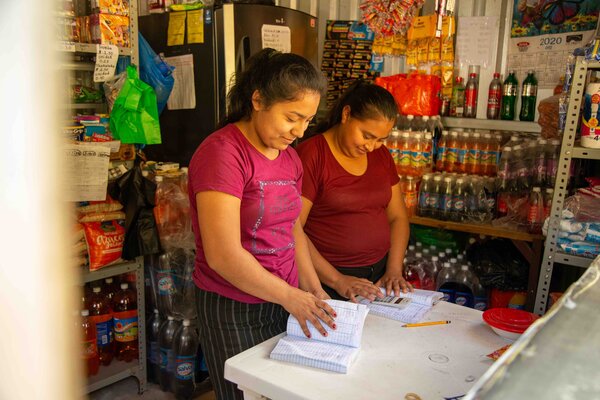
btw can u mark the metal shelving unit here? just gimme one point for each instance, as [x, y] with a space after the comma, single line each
[568, 151]
[491, 124]
[117, 370]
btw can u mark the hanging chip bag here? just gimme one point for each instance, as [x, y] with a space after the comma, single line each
[134, 117]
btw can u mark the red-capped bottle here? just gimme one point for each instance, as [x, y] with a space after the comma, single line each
[126, 324]
[494, 97]
[101, 316]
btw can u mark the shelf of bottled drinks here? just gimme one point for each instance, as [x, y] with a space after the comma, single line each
[491, 124]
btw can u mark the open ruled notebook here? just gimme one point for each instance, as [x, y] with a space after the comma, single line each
[422, 302]
[334, 352]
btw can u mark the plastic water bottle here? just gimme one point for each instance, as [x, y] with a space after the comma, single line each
[393, 145]
[446, 282]
[431, 270]
[185, 347]
[435, 196]
[125, 324]
[101, 316]
[165, 343]
[464, 287]
[528, 97]
[445, 204]
[459, 200]
[413, 270]
[423, 209]
[89, 348]
[153, 348]
[535, 213]
[509, 97]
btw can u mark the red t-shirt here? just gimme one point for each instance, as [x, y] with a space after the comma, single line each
[269, 191]
[348, 223]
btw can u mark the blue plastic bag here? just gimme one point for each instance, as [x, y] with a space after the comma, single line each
[156, 73]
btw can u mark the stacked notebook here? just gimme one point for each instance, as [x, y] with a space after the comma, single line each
[421, 302]
[334, 352]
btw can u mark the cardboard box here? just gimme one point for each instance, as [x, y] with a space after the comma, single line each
[110, 29]
[115, 7]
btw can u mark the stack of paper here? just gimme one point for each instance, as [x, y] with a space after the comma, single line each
[334, 352]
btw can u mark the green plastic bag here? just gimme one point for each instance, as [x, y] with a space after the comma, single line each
[134, 117]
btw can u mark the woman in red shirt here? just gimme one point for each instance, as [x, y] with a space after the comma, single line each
[352, 208]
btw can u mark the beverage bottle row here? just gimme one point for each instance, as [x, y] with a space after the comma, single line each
[459, 198]
[471, 153]
[525, 164]
[411, 143]
[446, 273]
[112, 316]
[509, 97]
[173, 349]
[172, 283]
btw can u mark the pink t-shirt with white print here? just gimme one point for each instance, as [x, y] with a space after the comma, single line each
[269, 191]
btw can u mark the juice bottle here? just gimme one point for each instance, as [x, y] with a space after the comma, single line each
[464, 143]
[485, 166]
[427, 153]
[126, 324]
[451, 153]
[410, 196]
[441, 152]
[416, 155]
[89, 351]
[404, 153]
[101, 316]
[473, 157]
[393, 146]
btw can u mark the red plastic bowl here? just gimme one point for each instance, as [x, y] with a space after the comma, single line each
[509, 319]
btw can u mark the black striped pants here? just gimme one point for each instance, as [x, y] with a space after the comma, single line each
[228, 327]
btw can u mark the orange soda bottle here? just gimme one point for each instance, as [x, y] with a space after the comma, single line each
[126, 324]
[89, 349]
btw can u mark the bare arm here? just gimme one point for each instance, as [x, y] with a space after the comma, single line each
[219, 220]
[307, 275]
[346, 286]
[399, 234]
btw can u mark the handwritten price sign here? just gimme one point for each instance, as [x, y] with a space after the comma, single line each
[106, 62]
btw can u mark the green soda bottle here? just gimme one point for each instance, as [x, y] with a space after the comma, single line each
[528, 97]
[509, 97]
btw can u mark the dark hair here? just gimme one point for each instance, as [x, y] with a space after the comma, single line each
[277, 76]
[366, 101]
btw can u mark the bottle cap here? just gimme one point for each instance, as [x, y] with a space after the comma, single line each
[447, 179]
[409, 116]
[85, 313]
[155, 311]
[445, 133]
[96, 289]
[434, 258]
[184, 170]
[411, 247]
[425, 117]
[453, 260]
[419, 244]
[549, 190]
[124, 286]
[542, 142]
[170, 318]
[537, 189]
[487, 135]
[506, 149]
[108, 280]
[145, 173]
[477, 135]
[418, 254]
[446, 265]
[472, 75]
[496, 75]
[158, 178]
[464, 267]
[442, 254]
[186, 322]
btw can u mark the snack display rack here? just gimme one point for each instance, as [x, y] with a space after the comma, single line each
[117, 370]
[570, 149]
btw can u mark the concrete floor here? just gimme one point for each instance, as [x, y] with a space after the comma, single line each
[127, 389]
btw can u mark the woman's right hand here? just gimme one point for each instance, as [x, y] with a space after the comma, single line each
[351, 286]
[305, 307]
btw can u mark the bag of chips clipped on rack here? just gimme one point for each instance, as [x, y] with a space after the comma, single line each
[134, 117]
[104, 241]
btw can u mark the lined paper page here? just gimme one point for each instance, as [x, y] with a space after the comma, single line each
[349, 321]
[412, 313]
[312, 353]
[424, 297]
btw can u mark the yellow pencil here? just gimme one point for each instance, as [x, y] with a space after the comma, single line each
[426, 324]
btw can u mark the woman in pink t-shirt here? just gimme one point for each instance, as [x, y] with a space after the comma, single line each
[252, 263]
[352, 208]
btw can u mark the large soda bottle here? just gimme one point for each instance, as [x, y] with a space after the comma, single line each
[535, 212]
[491, 195]
[489, 153]
[441, 152]
[451, 158]
[109, 288]
[153, 349]
[473, 156]
[464, 287]
[494, 97]
[528, 97]
[185, 347]
[458, 201]
[165, 284]
[182, 264]
[509, 97]
[410, 196]
[446, 282]
[480, 296]
[167, 360]
[431, 268]
[539, 164]
[457, 102]
[548, 202]
[423, 209]
[521, 170]
[471, 94]
[404, 153]
[89, 350]
[393, 145]
[446, 194]
[435, 196]
[101, 316]
[552, 162]
[504, 181]
[125, 324]
[413, 270]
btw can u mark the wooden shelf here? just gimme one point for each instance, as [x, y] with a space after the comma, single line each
[483, 229]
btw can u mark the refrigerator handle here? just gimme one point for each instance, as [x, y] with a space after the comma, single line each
[243, 53]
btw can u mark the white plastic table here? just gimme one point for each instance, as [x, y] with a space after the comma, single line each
[434, 362]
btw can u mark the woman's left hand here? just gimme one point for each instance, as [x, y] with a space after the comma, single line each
[395, 283]
[320, 294]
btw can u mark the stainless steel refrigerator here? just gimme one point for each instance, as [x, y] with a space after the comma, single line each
[232, 33]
